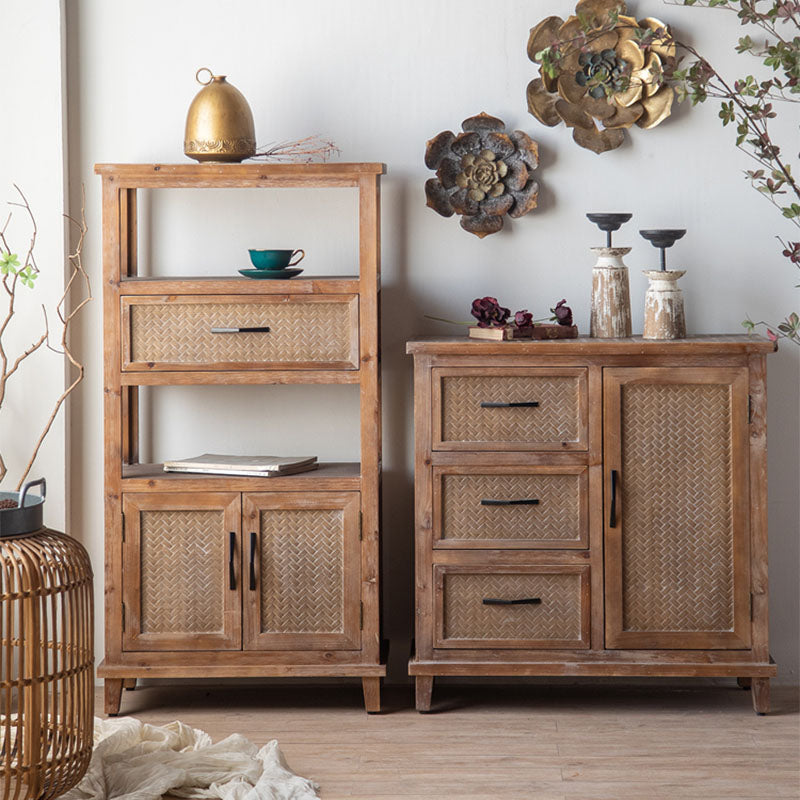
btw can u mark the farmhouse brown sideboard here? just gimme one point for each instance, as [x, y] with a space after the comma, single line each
[212, 576]
[591, 507]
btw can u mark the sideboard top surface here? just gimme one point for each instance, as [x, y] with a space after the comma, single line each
[586, 345]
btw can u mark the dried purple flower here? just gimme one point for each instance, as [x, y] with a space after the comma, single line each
[489, 313]
[562, 313]
[523, 319]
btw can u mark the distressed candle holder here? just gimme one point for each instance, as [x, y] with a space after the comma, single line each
[664, 316]
[611, 296]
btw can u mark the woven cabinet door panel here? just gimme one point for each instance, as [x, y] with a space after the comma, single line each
[305, 560]
[302, 332]
[682, 496]
[510, 507]
[178, 591]
[550, 607]
[517, 408]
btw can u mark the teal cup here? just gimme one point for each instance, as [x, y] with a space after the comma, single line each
[275, 259]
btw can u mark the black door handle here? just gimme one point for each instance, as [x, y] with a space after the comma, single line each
[523, 601]
[525, 404]
[533, 501]
[253, 542]
[612, 519]
[231, 566]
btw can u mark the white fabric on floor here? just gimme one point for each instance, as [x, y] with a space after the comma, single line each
[135, 761]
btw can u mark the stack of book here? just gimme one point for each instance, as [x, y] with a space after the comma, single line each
[255, 466]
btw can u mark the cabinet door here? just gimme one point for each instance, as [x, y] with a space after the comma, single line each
[676, 508]
[302, 571]
[180, 579]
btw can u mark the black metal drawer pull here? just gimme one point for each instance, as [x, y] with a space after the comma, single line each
[231, 555]
[522, 404]
[263, 329]
[253, 542]
[612, 521]
[533, 501]
[523, 601]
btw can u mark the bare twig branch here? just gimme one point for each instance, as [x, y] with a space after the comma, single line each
[78, 274]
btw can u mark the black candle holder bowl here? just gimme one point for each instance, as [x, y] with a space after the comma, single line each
[662, 238]
[609, 223]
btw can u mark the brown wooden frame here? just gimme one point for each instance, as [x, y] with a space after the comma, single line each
[133, 639]
[129, 302]
[123, 473]
[253, 636]
[616, 637]
[440, 571]
[440, 373]
[440, 542]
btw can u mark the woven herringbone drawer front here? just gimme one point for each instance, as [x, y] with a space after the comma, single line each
[522, 509]
[559, 619]
[182, 553]
[303, 331]
[302, 571]
[510, 409]
[677, 503]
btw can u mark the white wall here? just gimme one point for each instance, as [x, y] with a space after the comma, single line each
[34, 157]
[380, 79]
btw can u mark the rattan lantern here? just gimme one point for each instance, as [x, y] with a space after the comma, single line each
[46, 665]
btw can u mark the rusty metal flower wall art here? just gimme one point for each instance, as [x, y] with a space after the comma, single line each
[482, 174]
[601, 65]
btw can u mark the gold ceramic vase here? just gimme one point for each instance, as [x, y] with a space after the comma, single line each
[219, 125]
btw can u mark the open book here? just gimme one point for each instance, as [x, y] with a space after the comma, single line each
[257, 466]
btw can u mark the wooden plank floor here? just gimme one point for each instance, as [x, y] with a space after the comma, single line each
[511, 742]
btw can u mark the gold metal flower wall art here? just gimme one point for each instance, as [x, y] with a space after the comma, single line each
[482, 174]
[601, 65]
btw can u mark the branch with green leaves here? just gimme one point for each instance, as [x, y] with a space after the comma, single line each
[747, 103]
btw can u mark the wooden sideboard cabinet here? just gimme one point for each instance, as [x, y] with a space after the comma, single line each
[591, 507]
[214, 576]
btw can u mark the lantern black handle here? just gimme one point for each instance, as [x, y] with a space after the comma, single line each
[523, 601]
[521, 404]
[253, 543]
[612, 521]
[231, 555]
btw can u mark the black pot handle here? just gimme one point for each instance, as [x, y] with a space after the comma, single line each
[41, 482]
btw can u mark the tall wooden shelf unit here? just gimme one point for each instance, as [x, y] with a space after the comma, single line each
[213, 576]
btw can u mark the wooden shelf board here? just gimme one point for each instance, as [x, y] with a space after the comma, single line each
[254, 377]
[262, 670]
[237, 175]
[227, 284]
[329, 476]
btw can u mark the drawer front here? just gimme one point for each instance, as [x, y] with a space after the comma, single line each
[303, 332]
[512, 408]
[522, 607]
[510, 507]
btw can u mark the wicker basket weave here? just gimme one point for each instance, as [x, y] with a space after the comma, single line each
[46, 665]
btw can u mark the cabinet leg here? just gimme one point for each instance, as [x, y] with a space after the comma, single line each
[372, 694]
[113, 695]
[760, 691]
[129, 684]
[424, 690]
[744, 683]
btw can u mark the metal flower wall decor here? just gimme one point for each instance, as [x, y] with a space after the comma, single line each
[482, 174]
[601, 65]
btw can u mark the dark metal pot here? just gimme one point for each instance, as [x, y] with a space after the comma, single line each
[27, 517]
